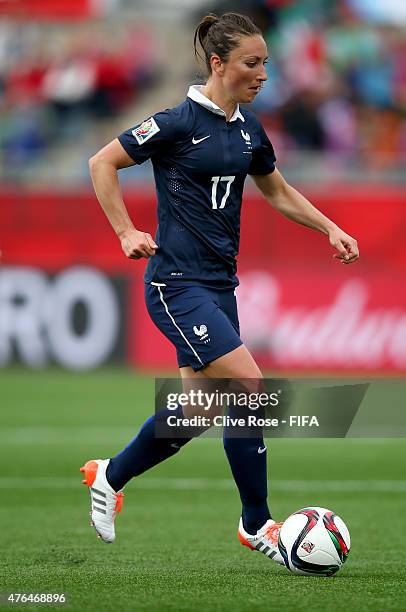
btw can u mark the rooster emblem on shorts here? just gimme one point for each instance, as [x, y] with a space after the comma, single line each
[200, 331]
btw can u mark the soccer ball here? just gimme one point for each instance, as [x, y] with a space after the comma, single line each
[314, 542]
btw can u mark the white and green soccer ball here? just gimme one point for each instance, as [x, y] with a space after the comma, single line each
[314, 542]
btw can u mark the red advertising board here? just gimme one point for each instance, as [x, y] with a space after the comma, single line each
[300, 310]
[47, 9]
[315, 322]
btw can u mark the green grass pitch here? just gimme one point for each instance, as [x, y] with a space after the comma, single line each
[177, 547]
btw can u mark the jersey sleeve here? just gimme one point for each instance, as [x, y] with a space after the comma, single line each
[149, 138]
[263, 156]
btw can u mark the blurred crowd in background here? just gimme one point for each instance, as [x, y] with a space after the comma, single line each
[336, 83]
[335, 99]
[57, 79]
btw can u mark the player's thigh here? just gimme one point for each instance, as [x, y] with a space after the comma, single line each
[238, 363]
[240, 368]
[237, 366]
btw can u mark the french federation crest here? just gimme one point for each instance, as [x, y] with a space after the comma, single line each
[145, 131]
[202, 333]
[246, 136]
[307, 546]
[247, 139]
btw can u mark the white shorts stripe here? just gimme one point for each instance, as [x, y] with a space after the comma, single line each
[177, 326]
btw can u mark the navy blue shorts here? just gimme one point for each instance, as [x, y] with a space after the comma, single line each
[201, 323]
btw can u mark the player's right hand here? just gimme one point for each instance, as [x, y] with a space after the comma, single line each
[136, 244]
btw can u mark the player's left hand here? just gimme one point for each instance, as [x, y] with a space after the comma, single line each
[346, 246]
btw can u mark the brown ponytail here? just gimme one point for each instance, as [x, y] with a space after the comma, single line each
[220, 35]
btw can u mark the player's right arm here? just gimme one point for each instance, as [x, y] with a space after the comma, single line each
[104, 167]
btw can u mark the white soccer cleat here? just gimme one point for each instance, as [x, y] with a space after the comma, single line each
[105, 502]
[265, 540]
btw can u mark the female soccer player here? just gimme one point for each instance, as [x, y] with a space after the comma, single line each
[201, 151]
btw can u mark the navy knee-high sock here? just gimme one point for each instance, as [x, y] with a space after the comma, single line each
[147, 450]
[247, 459]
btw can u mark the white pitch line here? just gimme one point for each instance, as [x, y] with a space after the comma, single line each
[204, 484]
[89, 434]
[64, 435]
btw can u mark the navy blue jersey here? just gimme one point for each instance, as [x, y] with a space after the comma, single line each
[200, 163]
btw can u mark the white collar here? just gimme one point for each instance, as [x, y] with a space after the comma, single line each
[195, 93]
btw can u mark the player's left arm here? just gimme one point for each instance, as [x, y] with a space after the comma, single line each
[293, 205]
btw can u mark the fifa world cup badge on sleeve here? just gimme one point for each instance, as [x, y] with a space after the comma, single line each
[145, 131]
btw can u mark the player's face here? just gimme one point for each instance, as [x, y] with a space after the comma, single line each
[244, 72]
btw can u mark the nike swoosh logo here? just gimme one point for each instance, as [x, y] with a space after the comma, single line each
[200, 139]
[261, 450]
